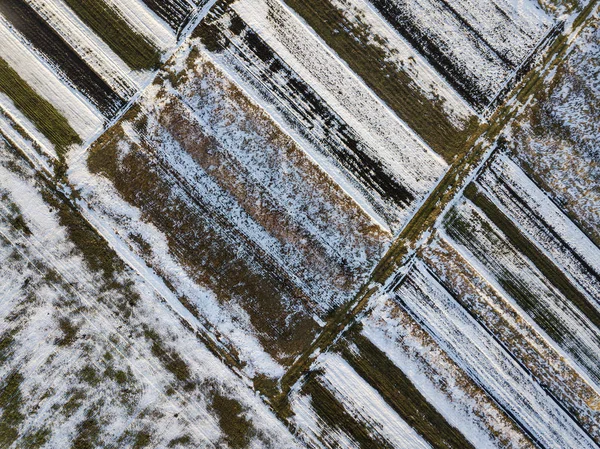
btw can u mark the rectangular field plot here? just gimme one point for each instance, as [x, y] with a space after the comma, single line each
[245, 212]
[60, 55]
[522, 339]
[476, 45]
[392, 69]
[86, 59]
[338, 407]
[568, 248]
[411, 370]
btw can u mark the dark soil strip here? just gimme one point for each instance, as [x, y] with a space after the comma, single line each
[394, 86]
[27, 22]
[174, 12]
[42, 114]
[429, 48]
[133, 48]
[320, 123]
[402, 395]
[335, 416]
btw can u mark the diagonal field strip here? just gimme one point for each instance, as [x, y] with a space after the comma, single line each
[482, 145]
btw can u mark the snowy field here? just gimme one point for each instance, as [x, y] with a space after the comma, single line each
[377, 158]
[301, 246]
[88, 60]
[93, 356]
[201, 200]
[486, 361]
[476, 45]
[556, 139]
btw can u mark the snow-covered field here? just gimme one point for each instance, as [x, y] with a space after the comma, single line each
[92, 49]
[75, 86]
[556, 138]
[361, 400]
[480, 355]
[524, 340]
[402, 53]
[544, 223]
[476, 45]
[196, 218]
[94, 357]
[393, 166]
[441, 381]
[243, 191]
[486, 247]
[81, 115]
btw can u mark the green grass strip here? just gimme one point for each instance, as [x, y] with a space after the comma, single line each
[394, 86]
[11, 415]
[550, 271]
[335, 416]
[402, 395]
[40, 112]
[133, 48]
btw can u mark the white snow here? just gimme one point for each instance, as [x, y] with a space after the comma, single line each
[394, 144]
[110, 215]
[137, 14]
[8, 114]
[48, 368]
[508, 29]
[548, 217]
[93, 50]
[403, 54]
[442, 387]
[497, 258]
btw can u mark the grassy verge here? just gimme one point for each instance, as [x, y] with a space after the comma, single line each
[402, 395]
[40, 112]
[394, 86]
[133, 48]
[10, 409]
[550, 271]
[237, 429]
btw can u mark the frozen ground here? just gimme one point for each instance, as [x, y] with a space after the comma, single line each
[78, 366]
[557, 138]
[199, 272]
